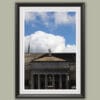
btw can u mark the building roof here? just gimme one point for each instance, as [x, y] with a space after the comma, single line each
[31, 56]
[54, 61]
[49, 58]
[70, 57]
[41, 57]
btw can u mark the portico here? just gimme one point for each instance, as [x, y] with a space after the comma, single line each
[50, 81]
[49, 72]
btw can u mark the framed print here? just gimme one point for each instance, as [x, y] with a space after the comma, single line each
[50, 50]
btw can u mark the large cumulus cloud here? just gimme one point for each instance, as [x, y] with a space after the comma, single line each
[41, 41]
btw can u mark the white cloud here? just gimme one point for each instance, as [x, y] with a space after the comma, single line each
[70, 48]
[60, 18]
[42, 41]
[29, 16]
[63, 18]
[32, 16]
[44, 17]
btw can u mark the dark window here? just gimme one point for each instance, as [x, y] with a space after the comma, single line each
[72, 84]
[35, 81]
[42, 81]
[64, 81]
[27, 86]
[56, 81]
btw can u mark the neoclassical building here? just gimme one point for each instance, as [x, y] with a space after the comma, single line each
[50, 71]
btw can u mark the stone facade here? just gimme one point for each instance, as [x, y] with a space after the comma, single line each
[55, 73]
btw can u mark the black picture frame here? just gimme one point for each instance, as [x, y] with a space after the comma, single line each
[17, 50]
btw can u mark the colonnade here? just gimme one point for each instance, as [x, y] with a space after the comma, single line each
[50, 81]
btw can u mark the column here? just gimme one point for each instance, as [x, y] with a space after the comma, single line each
[53, 81]
[67, 81]
[60, 81]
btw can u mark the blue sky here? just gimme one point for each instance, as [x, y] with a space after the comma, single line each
[56, 23]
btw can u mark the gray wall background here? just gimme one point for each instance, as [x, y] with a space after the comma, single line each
[7, 32]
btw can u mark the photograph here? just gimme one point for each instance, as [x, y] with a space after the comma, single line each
[49, 50]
